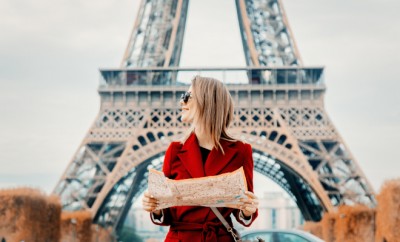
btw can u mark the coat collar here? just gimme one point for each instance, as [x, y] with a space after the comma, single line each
[190, 157]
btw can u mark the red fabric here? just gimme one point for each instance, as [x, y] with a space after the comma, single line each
[185, 161]
[209, 230]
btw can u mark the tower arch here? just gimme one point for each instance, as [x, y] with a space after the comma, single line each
[271, 158]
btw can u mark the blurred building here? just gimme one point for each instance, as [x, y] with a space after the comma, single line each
[276, 211]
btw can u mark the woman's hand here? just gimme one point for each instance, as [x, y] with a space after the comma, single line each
[250, 204]
[150, 204]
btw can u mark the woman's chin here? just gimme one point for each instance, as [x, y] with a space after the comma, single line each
[185, 119]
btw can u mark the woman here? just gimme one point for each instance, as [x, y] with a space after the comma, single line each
[206, 150]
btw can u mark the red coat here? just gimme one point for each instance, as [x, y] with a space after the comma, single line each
[195, 223]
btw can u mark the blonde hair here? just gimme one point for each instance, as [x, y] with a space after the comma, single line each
[214, 109]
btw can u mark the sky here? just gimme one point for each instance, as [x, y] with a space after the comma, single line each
[51, 50]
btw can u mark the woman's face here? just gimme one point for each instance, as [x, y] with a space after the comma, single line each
[188, 109]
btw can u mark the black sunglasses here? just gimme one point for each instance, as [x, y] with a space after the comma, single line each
[186, 96]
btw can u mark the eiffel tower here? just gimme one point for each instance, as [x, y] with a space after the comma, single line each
[279, 111]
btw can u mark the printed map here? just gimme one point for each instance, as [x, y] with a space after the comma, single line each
[223, 190]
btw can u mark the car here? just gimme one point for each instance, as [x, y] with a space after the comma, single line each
[279, 235]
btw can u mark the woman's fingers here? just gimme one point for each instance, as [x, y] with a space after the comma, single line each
[250, 201]
[152, 204]
[149, 198]
[249, 204]
[149, 207]
[250, 194]
[149, 202]
[251, 210]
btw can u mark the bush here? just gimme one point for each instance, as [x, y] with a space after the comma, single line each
[355, 223]
[76, 226]
[388, 212]
[313, 228]
[328, 227]
[28, 214]
[100, 234]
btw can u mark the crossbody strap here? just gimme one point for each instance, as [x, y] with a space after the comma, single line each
[225, 223]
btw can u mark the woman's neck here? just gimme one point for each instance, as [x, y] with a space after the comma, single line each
[204, 140]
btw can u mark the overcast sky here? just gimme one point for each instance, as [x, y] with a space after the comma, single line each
[50, 52]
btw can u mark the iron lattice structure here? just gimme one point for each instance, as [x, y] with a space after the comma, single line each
[279, 111]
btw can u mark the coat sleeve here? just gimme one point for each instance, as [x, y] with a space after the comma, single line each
[165, 219]
[248, 166]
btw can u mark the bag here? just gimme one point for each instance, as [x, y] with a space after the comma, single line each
[235, 234]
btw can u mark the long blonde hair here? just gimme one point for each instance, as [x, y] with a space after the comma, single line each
[214, 109]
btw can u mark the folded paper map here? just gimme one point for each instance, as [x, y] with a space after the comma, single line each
[223, 190]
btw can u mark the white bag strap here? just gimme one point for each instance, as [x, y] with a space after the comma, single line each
[225, 223]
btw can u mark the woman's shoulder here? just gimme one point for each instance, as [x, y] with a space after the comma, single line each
[175, 143]
[173, 149]
[243, 148]
[240, 144]
[175, 146]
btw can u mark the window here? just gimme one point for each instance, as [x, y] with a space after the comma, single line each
[273, 218]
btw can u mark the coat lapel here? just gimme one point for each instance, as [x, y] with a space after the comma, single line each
[190, 157]
[217, 161]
